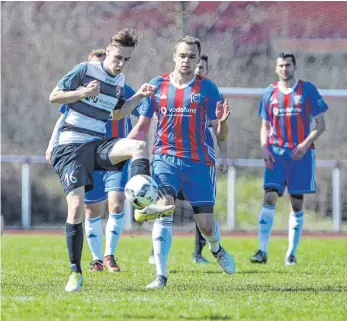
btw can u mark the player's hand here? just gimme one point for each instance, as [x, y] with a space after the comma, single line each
[269, 158]
[299, 151]
[147, 90]
[92, 88]
[223, 111]
[49, 152]
[223, 166]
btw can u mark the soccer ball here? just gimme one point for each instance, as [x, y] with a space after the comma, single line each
[141, 191]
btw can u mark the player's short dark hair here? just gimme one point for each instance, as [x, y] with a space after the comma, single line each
[97, 53]
[204, 57]
[126, 38]
[284, 55]
[189, 40]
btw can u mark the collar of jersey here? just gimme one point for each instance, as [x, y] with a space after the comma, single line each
[292, 89]
[104, 69]
[182, 86]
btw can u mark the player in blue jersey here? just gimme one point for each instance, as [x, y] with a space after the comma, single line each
[107, 185]
[287, 109]
[182, 102]
[200, 242]
[93, 91]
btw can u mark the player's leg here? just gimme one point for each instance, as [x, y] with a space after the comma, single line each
[165, 174]
[301, 180]
[94, 207]
[199, 191]
[114, 184]
[274, 185]
[112, 156]
[75, 170]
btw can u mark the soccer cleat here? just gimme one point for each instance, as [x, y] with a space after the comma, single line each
[111, 264]
[96, 266]
[75, 282]
[151, 259]
[225, 260]
[152, 212]
[259, 257]
[159, 282]
[199, 259]
[290, 260]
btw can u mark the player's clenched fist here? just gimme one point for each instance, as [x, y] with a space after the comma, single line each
[92, 88]
[223, 111]
[147, 90]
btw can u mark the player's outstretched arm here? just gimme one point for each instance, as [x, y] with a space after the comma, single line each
[59, 96]
[140, 130]
[50, 146]
[146, 90]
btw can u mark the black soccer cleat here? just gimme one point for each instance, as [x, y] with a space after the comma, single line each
[290, 260]
[259, 257]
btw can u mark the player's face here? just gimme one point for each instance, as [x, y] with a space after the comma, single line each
[186, 58]
[117, 58]
[201, 68]
[96, 59]
[285, 69]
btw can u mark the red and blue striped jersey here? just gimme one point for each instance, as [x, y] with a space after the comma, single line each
[116, 128]
[181, 116]
[290, 115]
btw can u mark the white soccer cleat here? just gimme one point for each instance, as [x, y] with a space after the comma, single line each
[75, 282]
[225, 260]
[152, 212]
[159, 282]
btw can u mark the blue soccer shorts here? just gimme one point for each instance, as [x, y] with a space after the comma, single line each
[299, 176]
[173, 173]
[105, 182]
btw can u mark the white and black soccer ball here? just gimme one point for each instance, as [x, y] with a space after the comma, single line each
[141, 191]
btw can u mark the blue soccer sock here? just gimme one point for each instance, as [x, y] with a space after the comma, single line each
[162, 239]
[266, 218]
[296, 226]
[113, 232]
[93, 227]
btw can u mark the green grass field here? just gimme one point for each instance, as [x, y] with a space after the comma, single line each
[35, 270]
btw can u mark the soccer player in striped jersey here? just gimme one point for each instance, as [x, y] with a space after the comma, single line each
[288, 108]
[93, 91]
[200, 242]
[107, 185]
[182, 102]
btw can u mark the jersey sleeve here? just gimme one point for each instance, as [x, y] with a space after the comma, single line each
[63, 108]
[262, 109]
[318, 105]
[146, 107]
[213, 97]
[73, 79]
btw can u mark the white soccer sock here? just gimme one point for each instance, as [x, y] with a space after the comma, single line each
[296, 225]
[266, 218]
[162, 239]
[113, 232]
[93, 227]
[213, 241]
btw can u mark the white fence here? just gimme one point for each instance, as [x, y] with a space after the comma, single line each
[231, 203]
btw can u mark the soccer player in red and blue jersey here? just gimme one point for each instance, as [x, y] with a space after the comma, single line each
[288, 108]
[182, 103]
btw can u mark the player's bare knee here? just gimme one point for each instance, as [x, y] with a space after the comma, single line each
[75, 211]
[116, 202]
[140, 149]
[270, 197]
[297, 202]
[91, 211]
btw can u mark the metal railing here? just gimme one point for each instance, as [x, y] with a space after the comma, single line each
[231, 202]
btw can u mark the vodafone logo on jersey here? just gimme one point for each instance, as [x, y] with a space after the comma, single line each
[163, 110]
